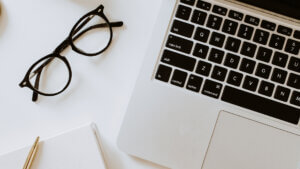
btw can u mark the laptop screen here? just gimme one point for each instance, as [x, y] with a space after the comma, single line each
[290, 8]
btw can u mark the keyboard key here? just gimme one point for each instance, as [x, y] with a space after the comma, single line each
[261, 105]
[216, 55]
[295, 100]
[294, 64]
[182, 28]
[188, 2]
[284, 30]
[179, 44]
[202, 34]
[235, 78]
[178, 60]
[250, 83]
[277, 42]
[183, 12]
[245, 32]
[280, 59]
[252, 20]
[203, 5]
[199, 17]
[292, 47]
[232, 60]
[212, 89]
[263, 71]
[279, 76]
[179, 78]
[297, 34]
[203, 68]
[230, 27]
[261, 37]
[233, 44]
[219, 73]
[268, 25]
[194, 83]
[282, 93]
[219, 10]
[264, 54]
[214, 22]
[247, 66]
[163, 73]
[236, 15]
[248, 49]
[217, 39]
[294, 81]
[266, 88]
[201, 51]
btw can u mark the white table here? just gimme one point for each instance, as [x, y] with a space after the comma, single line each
[101, 86]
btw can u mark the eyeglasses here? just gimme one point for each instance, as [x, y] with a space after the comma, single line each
[52, 74]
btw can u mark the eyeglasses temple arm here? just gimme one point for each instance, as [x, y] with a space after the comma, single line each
[36, 86]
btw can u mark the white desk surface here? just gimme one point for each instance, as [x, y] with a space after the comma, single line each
[101, 86]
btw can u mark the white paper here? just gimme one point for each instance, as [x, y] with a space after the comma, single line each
[76, 149]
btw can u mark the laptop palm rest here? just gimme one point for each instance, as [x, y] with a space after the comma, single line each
[238, 143]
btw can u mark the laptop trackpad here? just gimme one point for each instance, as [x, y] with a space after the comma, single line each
[240, 143]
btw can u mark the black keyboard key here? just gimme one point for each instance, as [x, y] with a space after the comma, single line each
[183, 12]
[250, 83]
[214, 22]
[203, 68]
[294, 64]
[217, 39]
[297, 34]
[178, 60]
[264, 54]
[230, 27]
[236, 15]
[204, 5]
[179, 78]
[277, 42]
[219, 10]
[280, 59]
[199, 17]
[268, 25]
[266, 88]
[219, 73]
[233, 44]
[201, 34]
[232, 60]
[248, 49]
[163, 73]
[182, 28]
[235, 78]
[295, 100]
[279, 76]
[194, 83]
[284, 30]
[263, 70]
[252, 20]
[261, 105]
[247, 66]
[294, 81]
[188, 2]
[179, 44]
[212, 89]
[261, 37]
[216, 55]
[292, 47]
[245, 31]
[200, 51]
[282, 93]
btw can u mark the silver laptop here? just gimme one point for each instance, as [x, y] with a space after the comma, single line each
[219, 87]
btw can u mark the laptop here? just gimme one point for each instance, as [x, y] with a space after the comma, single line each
[219, 87]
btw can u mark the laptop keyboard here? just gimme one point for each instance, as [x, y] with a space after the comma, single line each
[237, 58]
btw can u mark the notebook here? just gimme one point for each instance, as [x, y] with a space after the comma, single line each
[75, 149]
